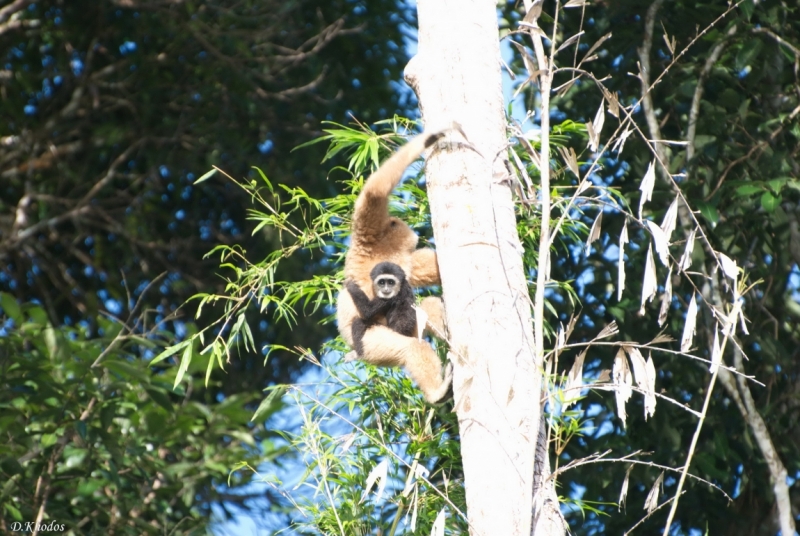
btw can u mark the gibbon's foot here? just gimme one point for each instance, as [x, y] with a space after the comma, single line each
[350, 356]
[445, 391]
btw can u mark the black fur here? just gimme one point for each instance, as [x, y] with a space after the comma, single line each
[398, 310]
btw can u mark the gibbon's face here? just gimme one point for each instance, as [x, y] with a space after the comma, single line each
[399, 235]
[386, 286]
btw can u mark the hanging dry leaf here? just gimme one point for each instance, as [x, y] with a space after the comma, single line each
[622, 383]
[619, 145]
[716, 354]
[729, 267]
[650, 399]
[623, 492]
[347, 442]
[415, 500]
[648, 183]
[594, 232]
[645, 375]
[743, 322]
[597, 44]
[569, 41]
[534, 12]
[572, 390]
[670, 43]
[661, 241]
[575, 3]
[524, 172]
[380, 471]
[670, 219]
[686, 259]
[666, 299]
[613, 102]
[623, 239]
[651, 503]
[410, 480]
[600, 119]
[571, 326]
[438, 525]
[422, 320]
[379, 424]
[594, 136]
[689, 326]
[571, 159]
[661, 337]
[608, 331]
[649, 283]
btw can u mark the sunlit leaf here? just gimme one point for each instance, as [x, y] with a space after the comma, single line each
[689, 326]
[648, 183]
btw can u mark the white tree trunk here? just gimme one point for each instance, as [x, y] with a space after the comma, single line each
[497, 383]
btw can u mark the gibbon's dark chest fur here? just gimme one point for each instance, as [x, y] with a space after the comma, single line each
[393, 298]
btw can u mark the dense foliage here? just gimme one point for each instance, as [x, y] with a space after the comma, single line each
[111, 110]
[738, 169]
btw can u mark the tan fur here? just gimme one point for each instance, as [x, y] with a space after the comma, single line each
[379, 237]
[434, 308]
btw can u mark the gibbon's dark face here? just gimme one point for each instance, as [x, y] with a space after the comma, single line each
[387, 278]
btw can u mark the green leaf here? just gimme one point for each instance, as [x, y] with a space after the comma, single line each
[186, 359]
[776, 185]
[50, 340]
[747, 8]
[709, 212]
[126, 370]
[207, 175]
[769, 201]
[48, 440]
[270, 401]
[174, 349]
[11, 307]
[749, 189]
[12, 511]
[749, 52]
[160, 398]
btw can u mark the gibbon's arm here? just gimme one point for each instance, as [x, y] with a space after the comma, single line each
[372, 204]
[367, 308]
[424, 268]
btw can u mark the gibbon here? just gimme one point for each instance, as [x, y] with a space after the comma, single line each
[394, 299]
[378, 237]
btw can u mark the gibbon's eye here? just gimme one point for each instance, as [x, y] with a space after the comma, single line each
[386, 282]
[393, 223]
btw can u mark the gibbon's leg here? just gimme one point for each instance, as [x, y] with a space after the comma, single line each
[434, 308]
[425, 369]
[387, 348]
[424, 268]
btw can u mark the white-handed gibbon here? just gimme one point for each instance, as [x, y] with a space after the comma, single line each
[378, 237]
[394, 299]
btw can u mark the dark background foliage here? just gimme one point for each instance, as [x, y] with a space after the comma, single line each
[743, 182]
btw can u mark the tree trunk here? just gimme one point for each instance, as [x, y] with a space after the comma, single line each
[497, 383]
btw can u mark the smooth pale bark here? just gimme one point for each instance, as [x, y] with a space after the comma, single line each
[497, 383]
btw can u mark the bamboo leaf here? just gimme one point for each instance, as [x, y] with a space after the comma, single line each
[648, 183]
[689, 326]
